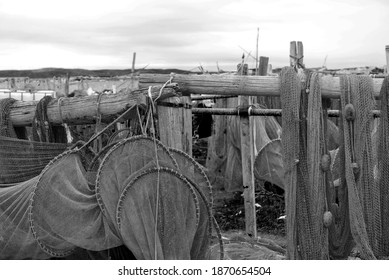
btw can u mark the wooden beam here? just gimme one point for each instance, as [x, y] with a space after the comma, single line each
[83, 110]
[175, 123]
[261, 112]
[387, 58]
[240, 85]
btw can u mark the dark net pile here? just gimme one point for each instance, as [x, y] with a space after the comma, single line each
[336, 201]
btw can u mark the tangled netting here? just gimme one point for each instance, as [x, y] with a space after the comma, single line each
[335, 200]
[137, 194]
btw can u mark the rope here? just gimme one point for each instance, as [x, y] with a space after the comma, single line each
[152, 107]
[98, 144]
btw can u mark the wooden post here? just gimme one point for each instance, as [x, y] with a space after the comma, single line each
[262, 71]
[300, 53]
[387, 58]
[67, 85]
[175, 123]
[263, 64]
[248, 157]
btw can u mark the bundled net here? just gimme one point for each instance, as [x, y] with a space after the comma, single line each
[357, 101]
[306, 163]
[42, 129]
[337, 200]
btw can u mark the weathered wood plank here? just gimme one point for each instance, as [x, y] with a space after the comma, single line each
[83, 110]
[175, 123]
[230, 84]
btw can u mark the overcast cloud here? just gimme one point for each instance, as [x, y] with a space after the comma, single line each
[185, 34]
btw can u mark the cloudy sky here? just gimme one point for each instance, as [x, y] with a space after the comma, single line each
[186, 34]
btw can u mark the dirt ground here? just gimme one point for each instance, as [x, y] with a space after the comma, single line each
[270, 243]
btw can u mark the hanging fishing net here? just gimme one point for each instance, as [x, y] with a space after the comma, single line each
[194, 173]
[158, 214]
[383, 166]
[265, 130]
[64, 210]
[306, 163]
[357, 102]
[336, 201]
[139, 199]
[16, 239]
[268, 165]
[20, 159]
[121, 162]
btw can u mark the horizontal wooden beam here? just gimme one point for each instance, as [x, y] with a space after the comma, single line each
[240, 85]
[83, 110]
[260, 112]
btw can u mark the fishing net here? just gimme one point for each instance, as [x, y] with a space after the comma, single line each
[265, 130]
[157, 214]
[123, 160]
[306, 163]
[357, 102]
[136, 199]
[42, 129]
[383, 166]
[268, 165]
[21, 160]
[16, 239]
[337, 200]
[6, 127]
[194, 173]
[62, 193]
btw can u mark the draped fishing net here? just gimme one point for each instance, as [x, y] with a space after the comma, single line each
[135, 201]
[20, 159]
[195, 174]
[383, 166]
[303, 147]
[265, 130]
[335, 200]
[164, 199]
[123, 160]
[268, 165]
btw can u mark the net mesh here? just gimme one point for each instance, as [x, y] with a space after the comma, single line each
[383, 166]
[357, 102]
[268, 165]
[194, 173]
[131, 203]
[177, 217]
[335, 200]
[20, 159]
[304, 147]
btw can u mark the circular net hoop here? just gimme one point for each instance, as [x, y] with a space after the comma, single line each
[122, 161]
[64, 210]
[158, 214]
[195, 174]
[50, 242]
[268, 165]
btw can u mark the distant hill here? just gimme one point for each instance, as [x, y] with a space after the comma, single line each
[58, 72]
